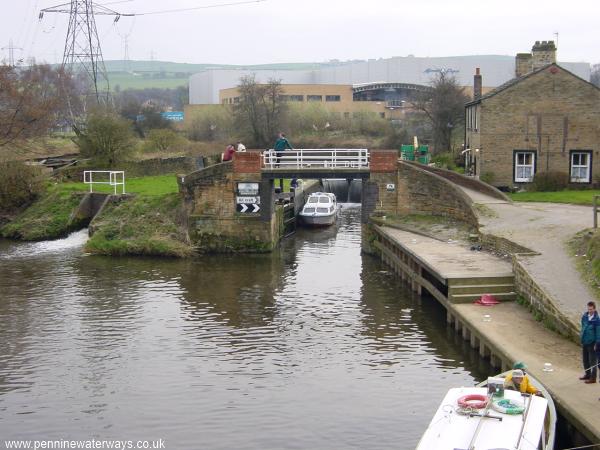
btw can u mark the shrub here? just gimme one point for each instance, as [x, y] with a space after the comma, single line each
[162, 140]
[107, 139]
[211, 124]
[20, 184]
[549, 182]
[444, 160]
[487, 177]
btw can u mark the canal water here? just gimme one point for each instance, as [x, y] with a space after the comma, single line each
[313, 347]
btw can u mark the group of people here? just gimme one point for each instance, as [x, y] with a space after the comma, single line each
[231, 149]
[281, 145]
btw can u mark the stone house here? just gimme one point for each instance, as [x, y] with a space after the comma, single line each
[545, 119]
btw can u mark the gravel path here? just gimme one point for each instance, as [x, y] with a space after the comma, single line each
[544, 228]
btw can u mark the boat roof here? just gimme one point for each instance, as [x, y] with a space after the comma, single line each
[450, 430]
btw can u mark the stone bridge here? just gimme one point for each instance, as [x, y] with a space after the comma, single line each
[230, 207]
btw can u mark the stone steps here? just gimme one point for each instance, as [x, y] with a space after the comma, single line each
[479, 288]
[470, 298]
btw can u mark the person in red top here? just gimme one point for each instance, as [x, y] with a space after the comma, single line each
[229, 151]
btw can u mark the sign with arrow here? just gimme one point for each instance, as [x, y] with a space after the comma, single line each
[245, 208]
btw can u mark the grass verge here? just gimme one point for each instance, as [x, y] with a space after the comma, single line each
[583, 197]
[585, 248]
[142, 225]
[148, 186]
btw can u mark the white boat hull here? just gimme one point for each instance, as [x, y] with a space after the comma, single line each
[318, 221]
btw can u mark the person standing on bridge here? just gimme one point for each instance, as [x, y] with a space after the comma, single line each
[281, 145]
[590, 341]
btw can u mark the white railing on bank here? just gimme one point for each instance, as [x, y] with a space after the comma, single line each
[115, 178]
[309, 158]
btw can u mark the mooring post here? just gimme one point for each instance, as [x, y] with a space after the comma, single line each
[596, 210]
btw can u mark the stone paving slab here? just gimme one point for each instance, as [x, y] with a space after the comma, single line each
[514, 332]
[450, 259]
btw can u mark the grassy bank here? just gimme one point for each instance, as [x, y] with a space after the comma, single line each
[585, 247]
[582, 197]
[150, 186]
[141, 225]
[48, 218]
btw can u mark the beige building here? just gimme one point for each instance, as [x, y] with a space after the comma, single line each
[545, 119]
[388, 100]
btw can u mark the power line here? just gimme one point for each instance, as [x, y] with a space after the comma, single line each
[217, 5]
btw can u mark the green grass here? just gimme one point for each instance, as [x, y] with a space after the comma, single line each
[143, 225]
[583, 197]
[150, 186]
[129, 81]
[48, 218]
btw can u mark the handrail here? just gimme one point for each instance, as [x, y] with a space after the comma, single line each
[113, 179]
[311, 158]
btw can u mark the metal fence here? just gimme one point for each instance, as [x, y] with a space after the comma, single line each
[334, 158]
[115, 178]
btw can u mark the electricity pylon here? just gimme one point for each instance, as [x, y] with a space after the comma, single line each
[82, 46]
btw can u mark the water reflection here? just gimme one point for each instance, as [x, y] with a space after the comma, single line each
[314, 346]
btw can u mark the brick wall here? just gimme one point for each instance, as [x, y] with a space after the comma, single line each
[247, 162]
[383, 160]
[550, 112]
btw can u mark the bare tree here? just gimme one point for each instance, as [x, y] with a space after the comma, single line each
[444, 107]
[32, 100]
[260, 109]
[595, 77]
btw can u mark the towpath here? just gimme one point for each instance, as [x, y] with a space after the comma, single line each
[544, 228]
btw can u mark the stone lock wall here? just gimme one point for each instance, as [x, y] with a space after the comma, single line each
[422, 192]
[542, 304]
[214, 224]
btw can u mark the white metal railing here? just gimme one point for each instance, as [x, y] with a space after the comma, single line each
[311, 158]
[115, 178]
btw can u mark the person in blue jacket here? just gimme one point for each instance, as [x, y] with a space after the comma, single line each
[590, 341]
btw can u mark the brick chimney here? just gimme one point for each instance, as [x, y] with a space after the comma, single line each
[477, 83]
[543, 53]
[523, 64]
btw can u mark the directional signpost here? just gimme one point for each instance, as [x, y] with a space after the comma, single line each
[248, 204]
[247, 200]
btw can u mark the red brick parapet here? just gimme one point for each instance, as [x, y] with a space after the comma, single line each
[247, 162]
[383, 160]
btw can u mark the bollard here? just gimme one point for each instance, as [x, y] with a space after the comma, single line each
[596, 211]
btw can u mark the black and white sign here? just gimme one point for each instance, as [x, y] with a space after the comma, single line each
[245, 208]
[391, 187]
[248, 200]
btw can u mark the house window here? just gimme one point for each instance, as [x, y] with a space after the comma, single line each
[332, 98]
[314, 98]
[581, 166]
[524, 166]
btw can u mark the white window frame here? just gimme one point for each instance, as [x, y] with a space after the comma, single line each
[587, 166]
[517, 166]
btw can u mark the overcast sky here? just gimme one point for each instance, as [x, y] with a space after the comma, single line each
[314, 30]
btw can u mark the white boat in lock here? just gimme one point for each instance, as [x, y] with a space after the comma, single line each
[320, 209]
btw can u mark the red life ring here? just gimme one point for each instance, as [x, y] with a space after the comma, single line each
[473, 401]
